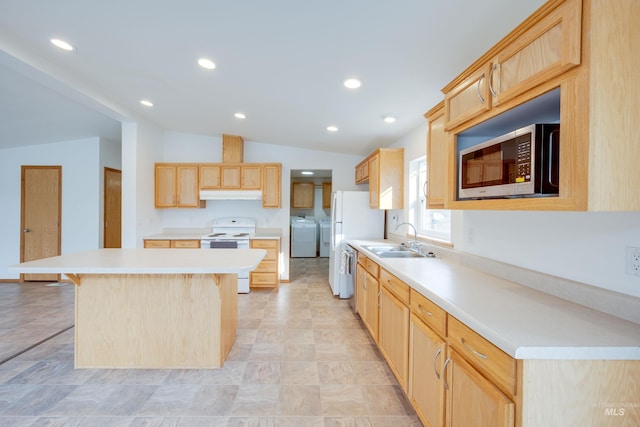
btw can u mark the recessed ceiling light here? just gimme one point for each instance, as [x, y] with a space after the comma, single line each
[352, 83]
[389, 119]
[146, 103]
[206, 63]
[307, 172]
[240, 116]
[332, 128]
[61, 44]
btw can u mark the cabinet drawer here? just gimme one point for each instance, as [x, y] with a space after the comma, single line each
[394, 285]
[492, 362]
[271, 246]
[157, 244]
[368, 265]
[264, 244]
[267, 267]
[264, 279]
[185, 244]
[429, 313]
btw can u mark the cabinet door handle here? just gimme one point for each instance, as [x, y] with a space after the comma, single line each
[424, 310]
[444, 368]
[424, 189]
[435, 359]
[479, 94]
[493, 92]
[26, 230]
[468, 347]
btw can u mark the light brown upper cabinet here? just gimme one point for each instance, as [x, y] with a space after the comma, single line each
[245, 176]
[437, 159]
[523, 60]
[271, 185]
[210, 177]
[362, 172]
[302, 195]
[176, 185]
[580, 51]
[326, 195]
[385, 175]
[232, 149]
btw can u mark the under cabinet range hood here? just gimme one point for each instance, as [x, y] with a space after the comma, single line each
[230, 195]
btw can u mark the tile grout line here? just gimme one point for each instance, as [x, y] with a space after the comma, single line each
[31, 347]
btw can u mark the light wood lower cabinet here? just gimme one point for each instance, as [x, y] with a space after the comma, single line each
[393, 325]
[165, 244]
[367, 297]
[427, 352]
[457, 378]
[473, 400]
[266, 273]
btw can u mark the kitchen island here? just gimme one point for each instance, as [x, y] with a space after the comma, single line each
[143, 308]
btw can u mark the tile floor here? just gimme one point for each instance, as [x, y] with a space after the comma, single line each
[301, 358]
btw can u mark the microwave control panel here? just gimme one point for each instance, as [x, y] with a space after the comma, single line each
[523, 162]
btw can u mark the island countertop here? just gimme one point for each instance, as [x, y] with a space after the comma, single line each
[147, 261]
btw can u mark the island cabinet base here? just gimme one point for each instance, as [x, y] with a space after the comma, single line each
[594, 393]
[155, 320]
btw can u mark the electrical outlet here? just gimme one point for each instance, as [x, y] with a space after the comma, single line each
[633, 261]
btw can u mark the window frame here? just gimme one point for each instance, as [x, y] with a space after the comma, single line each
[419, 215]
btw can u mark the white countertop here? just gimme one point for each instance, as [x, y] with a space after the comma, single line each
[147, 261]
[191, 234]
[523, 322]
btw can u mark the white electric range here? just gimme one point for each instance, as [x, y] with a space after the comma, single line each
[231, 233]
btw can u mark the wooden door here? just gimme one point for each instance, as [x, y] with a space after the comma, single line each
[371, 305]
[188, 194]
[473, 400]
[40, 216]
[361, 290]
[374, 181]
[165, 179]
[437, 158]
[426, 389]
[468, 99]
[271, 182]
[326, 195]
[393, 333]
[230, 177]
[209, 177]
[251, 177]
[302, 195]
[112, 208]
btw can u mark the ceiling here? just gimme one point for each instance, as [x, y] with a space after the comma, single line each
[280, 62]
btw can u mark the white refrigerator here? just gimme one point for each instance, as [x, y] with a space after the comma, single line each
[351, 219]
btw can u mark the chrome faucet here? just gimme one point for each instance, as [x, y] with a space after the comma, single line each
[415, 245]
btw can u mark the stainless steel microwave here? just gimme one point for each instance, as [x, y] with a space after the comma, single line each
[522, 163]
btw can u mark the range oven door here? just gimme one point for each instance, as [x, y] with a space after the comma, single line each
[243, 276]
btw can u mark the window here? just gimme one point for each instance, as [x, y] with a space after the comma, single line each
[432, 223]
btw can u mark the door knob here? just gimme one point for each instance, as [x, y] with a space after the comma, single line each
[27, 230]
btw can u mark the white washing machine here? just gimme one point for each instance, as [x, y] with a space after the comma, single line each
[303, 238]
[325, 237]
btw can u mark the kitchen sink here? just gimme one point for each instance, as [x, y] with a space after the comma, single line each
[393, 251]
